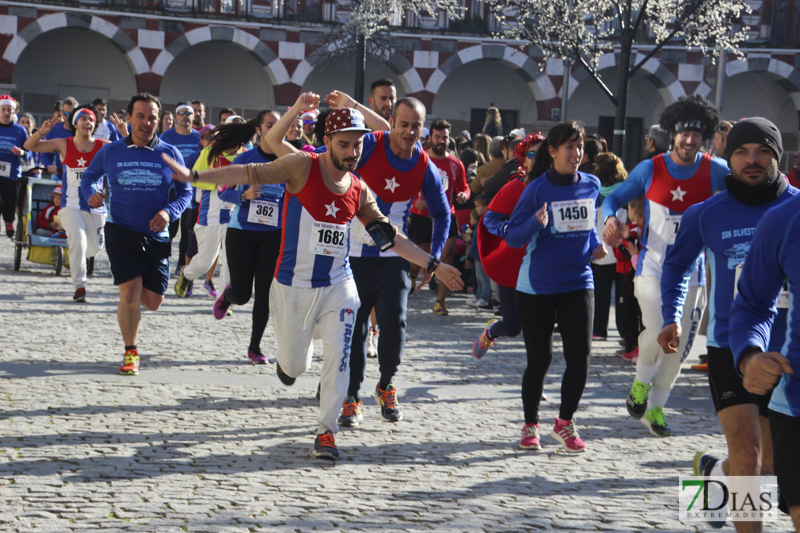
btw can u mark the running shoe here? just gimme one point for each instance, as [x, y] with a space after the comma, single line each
[221, 306]
[352, 412]
[655, 421]
[10, 230]
[182, 285]
[477, 303]
[413, 278]
[483, 342]
[637, 401]
[80, 295]
[256, 357]
[440, 309]
[387, 399]
[325, 446]
[210, 289]
[190, 289]
[566, 433]
[130, 365]
[530, 437]
[372, 342]
[598, 337]
[702, 464]
[284, 377]
[433, 284]
[632, 356]
[702, 367]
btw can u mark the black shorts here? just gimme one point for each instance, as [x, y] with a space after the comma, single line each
[420, 228]
[133, 254]
[726, 384]
[785, 431]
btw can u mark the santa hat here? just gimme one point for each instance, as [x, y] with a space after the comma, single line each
[57, 189]
[310, 115]
[6, 99]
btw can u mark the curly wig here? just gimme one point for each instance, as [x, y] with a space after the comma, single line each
[692, 108]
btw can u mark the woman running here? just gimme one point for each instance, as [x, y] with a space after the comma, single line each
[501, 262]
[555, 221]
[83, 224]
[254, 236]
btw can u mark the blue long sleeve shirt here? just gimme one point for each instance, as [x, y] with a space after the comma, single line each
[774, 261]
[724, 228]
[267, 207]
[11, 135]
[139, 181]
[557, 256]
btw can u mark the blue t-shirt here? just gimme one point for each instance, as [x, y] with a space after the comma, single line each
[139, 181]
[59, 131]
[187, 145]
[557, 256]
[724, 228]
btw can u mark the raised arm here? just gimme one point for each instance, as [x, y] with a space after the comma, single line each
[37, 143]
[276, 137]
[373, 120]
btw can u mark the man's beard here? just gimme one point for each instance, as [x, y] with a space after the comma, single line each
[342, 164]
[439, 149]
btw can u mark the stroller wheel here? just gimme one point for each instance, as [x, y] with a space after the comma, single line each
[59, 259]
[17, 255]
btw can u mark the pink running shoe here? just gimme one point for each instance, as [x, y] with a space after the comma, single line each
[566, 433]
[221, 306]
[530, 437]
[632, 356]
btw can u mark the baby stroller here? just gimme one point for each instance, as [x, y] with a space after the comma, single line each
[43, 250]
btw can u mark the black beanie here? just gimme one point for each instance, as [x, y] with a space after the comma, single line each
[754, 130]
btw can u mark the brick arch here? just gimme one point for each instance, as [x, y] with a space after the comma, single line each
[47, 23]
[262, 53]
[407, 75]
[539, 83]
[669, 86]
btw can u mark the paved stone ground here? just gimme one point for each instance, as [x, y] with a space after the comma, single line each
[203, 441]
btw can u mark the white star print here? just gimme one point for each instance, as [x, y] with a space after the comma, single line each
[332, 209]
[81, 162]
[678, 194]
[391, 184]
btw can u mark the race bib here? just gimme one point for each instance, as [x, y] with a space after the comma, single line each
[783, 296]
[671, 225]
[5, 169]
[263, 212]
[573, 215]
[74, 178]
[328, 239]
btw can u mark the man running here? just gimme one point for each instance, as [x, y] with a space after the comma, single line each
[670, 183]
[137, 240]
[315, 287]
[723, 226]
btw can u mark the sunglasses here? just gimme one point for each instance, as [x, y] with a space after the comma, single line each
[184, 113]
[723, 128]
[309, 122]
[531, 154]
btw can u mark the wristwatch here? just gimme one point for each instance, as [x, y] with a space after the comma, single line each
[432, 264]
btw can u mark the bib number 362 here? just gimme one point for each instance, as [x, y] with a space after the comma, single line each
[328, 239]
[262, 212]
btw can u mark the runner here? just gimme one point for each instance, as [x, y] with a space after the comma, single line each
[137, 240]
[315, 287]
[670, 183]
[555, 221]
[83, 224]
[12, 138]
[501, 262]
[254, 236]
[723, 227]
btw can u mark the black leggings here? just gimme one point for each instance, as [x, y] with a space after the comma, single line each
[537, 313]
[509, 326]
[252, 255]
[629, 316]
[8, 199]
[603, 282]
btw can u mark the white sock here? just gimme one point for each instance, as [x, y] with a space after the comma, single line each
[716, 470]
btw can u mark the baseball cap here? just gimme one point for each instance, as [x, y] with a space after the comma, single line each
[345, 119]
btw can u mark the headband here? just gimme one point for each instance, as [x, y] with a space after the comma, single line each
[83, 112]
[7, 100]
[186, 107]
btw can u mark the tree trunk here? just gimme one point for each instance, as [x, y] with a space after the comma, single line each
[623, 80]
[361, 66]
